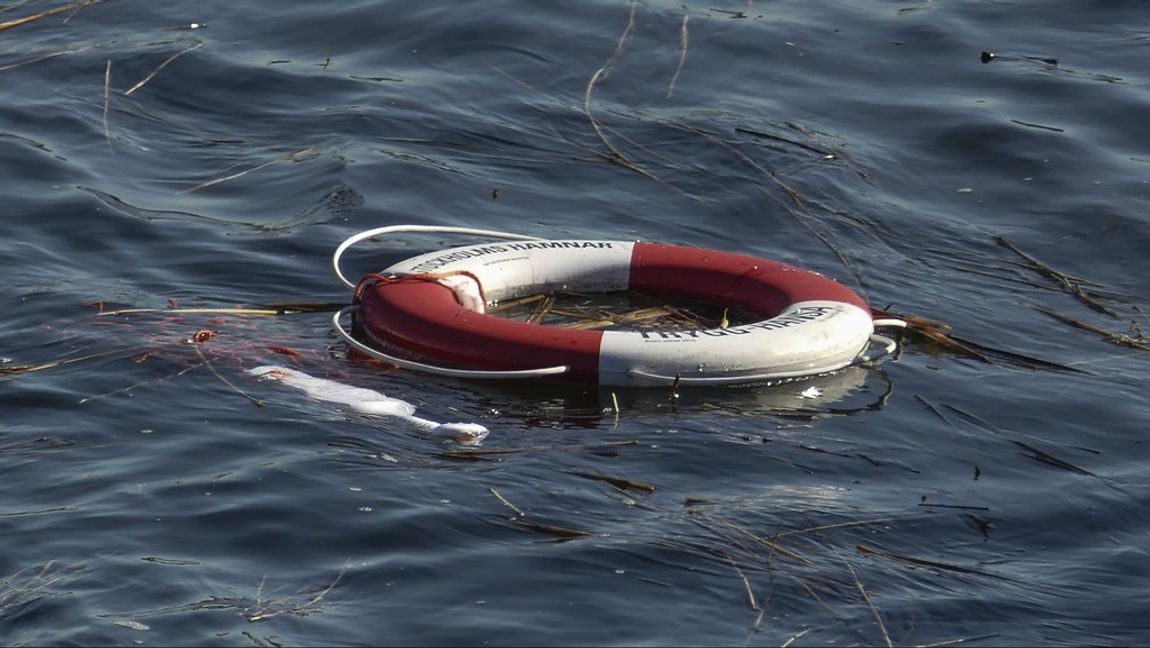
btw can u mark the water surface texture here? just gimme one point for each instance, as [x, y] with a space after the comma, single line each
[982, 164]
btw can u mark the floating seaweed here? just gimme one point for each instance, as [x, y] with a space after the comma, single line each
[30, 585]
[254, 609]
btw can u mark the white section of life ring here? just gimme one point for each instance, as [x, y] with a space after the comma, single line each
[511, 269]
[792, 344]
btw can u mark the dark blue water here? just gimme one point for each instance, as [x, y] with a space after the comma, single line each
[995, 496]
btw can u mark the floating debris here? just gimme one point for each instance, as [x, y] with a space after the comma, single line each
[370, 403]
[75, 6]
[619, 482]
[1047, 458]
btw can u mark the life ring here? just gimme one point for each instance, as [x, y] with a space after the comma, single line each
[431, 307]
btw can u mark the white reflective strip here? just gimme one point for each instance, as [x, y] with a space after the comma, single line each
[807, 338]
[510, 269]
[347, 337]
[399, 229]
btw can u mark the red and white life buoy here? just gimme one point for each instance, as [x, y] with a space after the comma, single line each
[430, 310]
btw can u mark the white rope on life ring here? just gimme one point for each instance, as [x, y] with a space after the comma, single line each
[432, 307]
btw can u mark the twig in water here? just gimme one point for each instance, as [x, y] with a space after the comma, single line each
[602, 71]
[621, 483]
[36, 59]
[772, 546]
[937, 333]
[955, 642]
[930, 406]
[479, 455]
[265, 642]
[288, 308]
[14, 594]
[223, 379]
[814, 595]
[107, 80]
[757, 624]
[16, 22]
[283, 158]
[962, 507]
[75, 11]
[513, 303]
[794, 637]
[1047, 458]
[561, 533]
[199, 311]
[870, 604]
[682, 54]
[1068, 283]
[543, 310]
[786, 140]
[613, 153]
[795, 197]
[516, 509]
[1121, 339]
[129, 388]
[746, 585]
[18, 369]
[161, 66]
[910, 560]
[839, 525]
[265, 610]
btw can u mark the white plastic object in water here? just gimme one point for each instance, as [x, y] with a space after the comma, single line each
[369, 402]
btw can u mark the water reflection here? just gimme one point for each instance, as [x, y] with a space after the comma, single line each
[549, 405]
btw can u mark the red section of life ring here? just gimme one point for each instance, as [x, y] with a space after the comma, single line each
[757, 285]
[424, 319]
